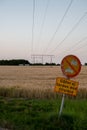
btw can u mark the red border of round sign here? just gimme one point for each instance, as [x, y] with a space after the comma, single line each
[70, 76]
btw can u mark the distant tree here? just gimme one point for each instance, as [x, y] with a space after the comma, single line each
[14, 62]
[58, 64]
[85, 63]
[49, 64]
[37, 64]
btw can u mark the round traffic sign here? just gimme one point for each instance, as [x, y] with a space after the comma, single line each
[70, 66]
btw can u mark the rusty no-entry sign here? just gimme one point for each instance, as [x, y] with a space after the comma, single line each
[70, 66]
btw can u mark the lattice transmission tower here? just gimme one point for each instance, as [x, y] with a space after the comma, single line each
[41, 58]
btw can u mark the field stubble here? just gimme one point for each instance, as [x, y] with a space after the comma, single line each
[28, 81]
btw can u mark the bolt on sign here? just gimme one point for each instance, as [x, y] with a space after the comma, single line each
[70, 66]
[66, 86]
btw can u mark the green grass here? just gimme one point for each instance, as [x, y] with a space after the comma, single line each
[42, 114]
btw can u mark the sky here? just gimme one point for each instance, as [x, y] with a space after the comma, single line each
[43, 27]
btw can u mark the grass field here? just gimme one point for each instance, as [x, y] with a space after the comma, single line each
[37, 114]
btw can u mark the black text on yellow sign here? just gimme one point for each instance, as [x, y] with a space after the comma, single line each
[66, 86]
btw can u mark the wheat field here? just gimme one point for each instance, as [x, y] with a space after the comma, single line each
[36, 79]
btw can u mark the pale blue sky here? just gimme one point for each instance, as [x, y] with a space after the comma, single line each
[53, 33]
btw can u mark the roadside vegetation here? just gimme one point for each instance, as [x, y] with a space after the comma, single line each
[38, 93]
[21, 112]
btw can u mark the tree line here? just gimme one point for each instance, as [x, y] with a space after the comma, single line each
[24, 62]
[14, 62]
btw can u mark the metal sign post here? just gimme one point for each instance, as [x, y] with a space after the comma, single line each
[62, 104]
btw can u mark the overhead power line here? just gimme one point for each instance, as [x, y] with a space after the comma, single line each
[59, 25]
[73, 28]
[75, 46]
[43, 21]
[33, 26]
[80, 47]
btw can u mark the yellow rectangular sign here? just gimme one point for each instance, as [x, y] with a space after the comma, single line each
[66, 86]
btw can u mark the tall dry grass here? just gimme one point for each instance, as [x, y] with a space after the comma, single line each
[36, 82]
[38, 93]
